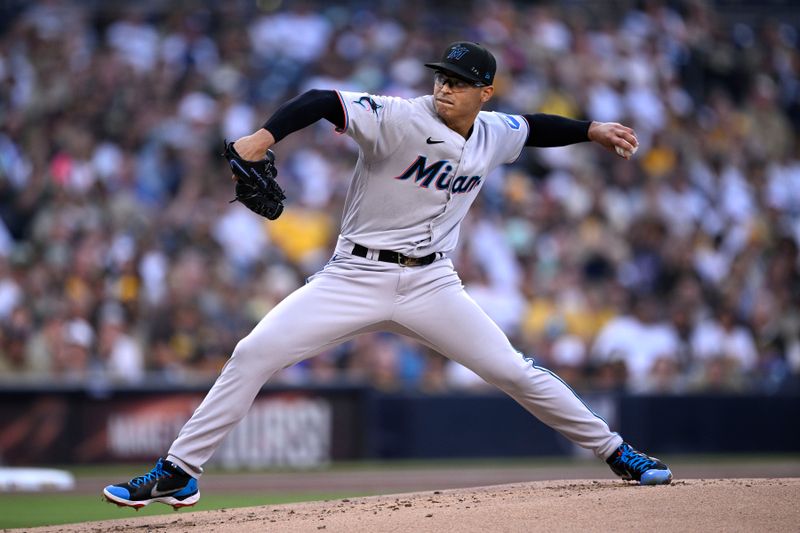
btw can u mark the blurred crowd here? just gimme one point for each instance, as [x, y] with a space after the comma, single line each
[122, 260]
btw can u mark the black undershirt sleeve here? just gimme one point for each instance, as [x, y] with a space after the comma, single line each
[304, 110]
[553, 130]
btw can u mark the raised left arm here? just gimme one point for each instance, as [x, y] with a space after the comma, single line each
[554, 130]
[612, 135]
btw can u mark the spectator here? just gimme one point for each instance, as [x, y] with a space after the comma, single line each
[722, 337]
[642, 342]
[72, 361]
[120, 355]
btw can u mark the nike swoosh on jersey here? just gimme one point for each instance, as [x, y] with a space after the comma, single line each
[429, 141]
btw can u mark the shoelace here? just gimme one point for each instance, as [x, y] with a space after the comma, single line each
[635, 460]
[156, 473]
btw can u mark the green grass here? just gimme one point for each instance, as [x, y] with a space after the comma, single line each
[30, 510]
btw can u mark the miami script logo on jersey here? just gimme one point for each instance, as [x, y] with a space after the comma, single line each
[438, 174]
[368, 103]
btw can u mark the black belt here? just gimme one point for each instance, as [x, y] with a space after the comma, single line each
[387, 256]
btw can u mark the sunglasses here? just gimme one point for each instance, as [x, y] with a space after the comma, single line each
[456, 84]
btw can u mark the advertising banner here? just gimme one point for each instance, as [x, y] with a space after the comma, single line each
[293, 428]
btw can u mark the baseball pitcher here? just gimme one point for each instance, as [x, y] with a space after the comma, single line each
[421, 164]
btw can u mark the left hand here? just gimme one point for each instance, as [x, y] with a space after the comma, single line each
[612, 134]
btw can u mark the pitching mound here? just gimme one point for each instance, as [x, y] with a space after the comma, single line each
[580, 505]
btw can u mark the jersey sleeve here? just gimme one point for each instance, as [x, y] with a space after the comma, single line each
[510, 132]
[374, 122]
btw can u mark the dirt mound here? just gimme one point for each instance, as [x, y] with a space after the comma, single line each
[580, 505]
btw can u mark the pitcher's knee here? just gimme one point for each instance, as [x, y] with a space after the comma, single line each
[253, 355]
[245, 349]
[508, 379]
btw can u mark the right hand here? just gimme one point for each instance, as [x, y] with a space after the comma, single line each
[254, 147]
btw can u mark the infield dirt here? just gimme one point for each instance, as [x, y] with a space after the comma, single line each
[744, 505]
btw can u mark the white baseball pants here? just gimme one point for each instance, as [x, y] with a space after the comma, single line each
[353, 295]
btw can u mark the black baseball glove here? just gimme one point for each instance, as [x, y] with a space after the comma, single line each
[256, 187]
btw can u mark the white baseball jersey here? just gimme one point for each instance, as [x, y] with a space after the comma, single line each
[416, 178]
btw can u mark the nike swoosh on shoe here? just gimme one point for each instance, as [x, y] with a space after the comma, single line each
[155, 493]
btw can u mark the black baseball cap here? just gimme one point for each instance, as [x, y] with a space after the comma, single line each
[469, 61]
